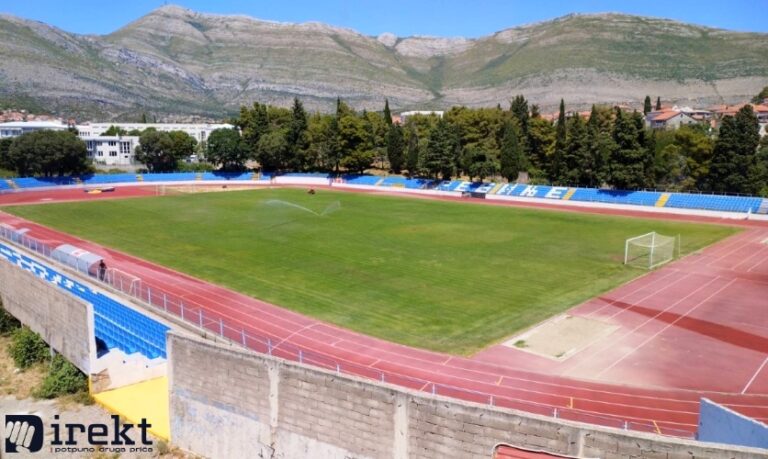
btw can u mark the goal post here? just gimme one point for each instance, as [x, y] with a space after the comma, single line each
[650, 250]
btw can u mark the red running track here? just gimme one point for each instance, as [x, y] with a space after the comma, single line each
[697, 327]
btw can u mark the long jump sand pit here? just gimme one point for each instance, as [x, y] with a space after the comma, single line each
[561, 337]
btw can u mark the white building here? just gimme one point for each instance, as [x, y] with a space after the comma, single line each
[199, 131]
[17, 128]
[111, 150]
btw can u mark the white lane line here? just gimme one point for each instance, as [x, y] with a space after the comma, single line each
[754, 376]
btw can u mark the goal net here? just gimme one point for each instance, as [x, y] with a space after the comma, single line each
[123, 281]
[649, 250]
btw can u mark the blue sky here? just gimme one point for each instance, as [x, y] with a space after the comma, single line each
[468, 18]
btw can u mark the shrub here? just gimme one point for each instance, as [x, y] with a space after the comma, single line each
[62, 378]
[8, 323]
[195, 167]
[27, 348]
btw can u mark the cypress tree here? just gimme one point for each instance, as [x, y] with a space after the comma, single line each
[556, 173]
[627, 161]
[658, 103]
[296, 135]
[576, 166]
[412, 160]
[395, 148]
[647, 105]
[513, 159]
[387, 113]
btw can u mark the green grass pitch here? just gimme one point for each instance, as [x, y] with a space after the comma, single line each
[446, 276]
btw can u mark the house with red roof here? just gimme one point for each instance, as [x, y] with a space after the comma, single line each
[669, 119]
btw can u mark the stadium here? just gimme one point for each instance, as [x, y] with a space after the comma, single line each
[466, 319]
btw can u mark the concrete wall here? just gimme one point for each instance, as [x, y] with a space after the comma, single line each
[61, 319]
[228, 402]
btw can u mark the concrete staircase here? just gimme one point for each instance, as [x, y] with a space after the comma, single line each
[12, 184]
[118, 369]
[663, 199]
[567, 196]
[496, 188]
[763, 209]
[139, 178]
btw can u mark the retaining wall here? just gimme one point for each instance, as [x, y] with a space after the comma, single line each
[64, 322]
[229, 402]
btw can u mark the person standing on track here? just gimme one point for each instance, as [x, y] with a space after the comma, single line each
[102, 270]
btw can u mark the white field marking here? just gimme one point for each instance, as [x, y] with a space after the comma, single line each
[295, 332]
[652, 294]
[650, 338]
[729, 253]
[754, 376]
[755, 253]
[602, 345]
[669, 273]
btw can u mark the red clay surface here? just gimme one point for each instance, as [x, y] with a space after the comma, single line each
[697, 327]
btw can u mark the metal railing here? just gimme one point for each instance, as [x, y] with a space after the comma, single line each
[197, 315]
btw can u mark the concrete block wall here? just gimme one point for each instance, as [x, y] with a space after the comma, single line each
[280, 409]
[64, 321]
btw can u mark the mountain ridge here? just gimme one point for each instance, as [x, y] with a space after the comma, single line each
[175, 61]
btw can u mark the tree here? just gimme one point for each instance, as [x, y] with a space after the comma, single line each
[513, 160]
[556, 173]
[758, 173]
[440, 157]
[734, 155]
[627, 161]
[387, 113]
[647, 108]
[253, 123]
[156, 151]
[658, 103]
[684, 162]
[761, 96]
[48, 153]
[479, 164]
[296, 137]
[5, 160]
[577, 167]
[358, 160]
[225, 147]
[412, 159]
[115, 131]
[320, 141]
[182, 144]
[143, 118]
[541, 144]
[395, 148]
[273, 150]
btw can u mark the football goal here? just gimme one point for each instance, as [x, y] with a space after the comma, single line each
[650, 250]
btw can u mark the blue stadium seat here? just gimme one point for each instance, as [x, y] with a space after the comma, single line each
[170, 177]
[38, 182]
[394, 180]
[230, 176]
[97, 179]
[713, 202]
[117, 325]
[361, 179]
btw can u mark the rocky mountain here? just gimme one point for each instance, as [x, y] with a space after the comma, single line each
[174, 61]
